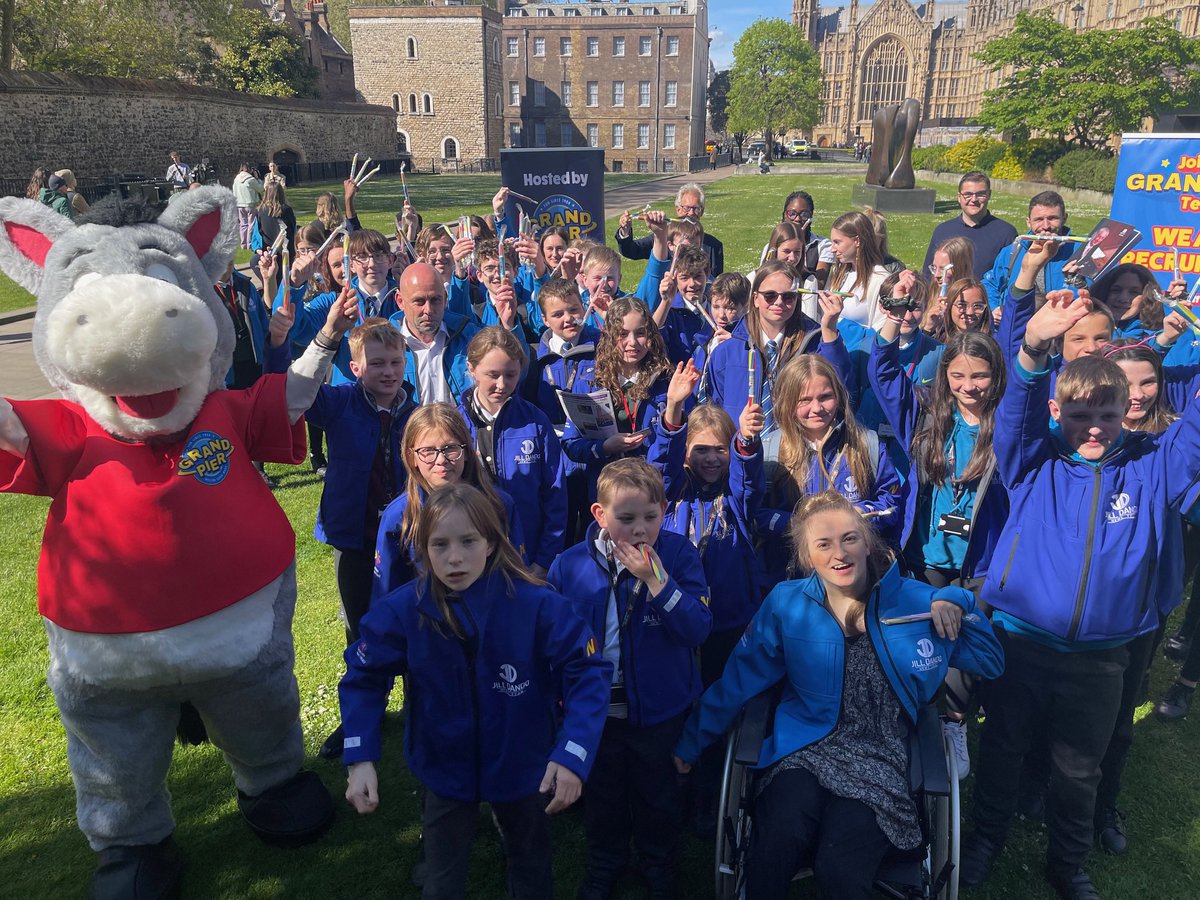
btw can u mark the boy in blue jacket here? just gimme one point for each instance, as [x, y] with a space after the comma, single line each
[1073, 582]
[642, 592]
[363, 423]
[684, 328]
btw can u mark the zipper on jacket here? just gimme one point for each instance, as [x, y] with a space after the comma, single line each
[1087, 557]
[471, 653]
[985, 482]
[1012, 554]
[872, 616]
[630, 692]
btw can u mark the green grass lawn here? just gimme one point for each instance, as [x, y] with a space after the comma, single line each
[42, 854]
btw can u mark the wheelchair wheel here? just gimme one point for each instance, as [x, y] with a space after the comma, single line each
[944, 814]
[733, 827]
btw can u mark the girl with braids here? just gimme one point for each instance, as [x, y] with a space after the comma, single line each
[436, 450]
[798, 210]
[955, 506]
[632, 365]
[820, 446]
[860, 268]
[774, 331]
[473, 612]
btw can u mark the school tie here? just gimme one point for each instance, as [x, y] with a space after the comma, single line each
[768, 377]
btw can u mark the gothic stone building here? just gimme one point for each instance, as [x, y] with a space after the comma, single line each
[881, 54]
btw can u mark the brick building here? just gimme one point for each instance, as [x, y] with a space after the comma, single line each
[438, 68]
[333, 62]
[465, 81]
[626, 76]
[879, 54]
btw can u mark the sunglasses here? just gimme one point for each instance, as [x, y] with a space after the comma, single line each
[783, 296]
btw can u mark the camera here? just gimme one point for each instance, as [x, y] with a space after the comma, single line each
[956, 525]
[899, 305]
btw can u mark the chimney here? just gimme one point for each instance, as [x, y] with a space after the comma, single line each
[319, 14]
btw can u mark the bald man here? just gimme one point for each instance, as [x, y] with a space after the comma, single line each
[435, 338]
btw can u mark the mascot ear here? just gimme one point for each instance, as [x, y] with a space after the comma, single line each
[28, 230]
[207, 219]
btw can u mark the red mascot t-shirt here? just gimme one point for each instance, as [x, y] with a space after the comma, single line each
[143, 536]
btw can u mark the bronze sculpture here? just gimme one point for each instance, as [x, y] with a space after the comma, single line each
[894, 128]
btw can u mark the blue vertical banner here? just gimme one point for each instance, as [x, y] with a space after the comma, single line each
[1158, 191]
[563, 187]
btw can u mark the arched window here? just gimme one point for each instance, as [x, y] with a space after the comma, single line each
[884, 77]
[499, 108]
[402, 143]
[395, 103]
[427, 104]
[449, 148]
[495, 50]
[412, 104]
[410, 47]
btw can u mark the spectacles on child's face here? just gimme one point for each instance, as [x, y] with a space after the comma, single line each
[305, 251]
[770, 297]
[976, 308]
[798, 215]
[451, 453]
[363, 260]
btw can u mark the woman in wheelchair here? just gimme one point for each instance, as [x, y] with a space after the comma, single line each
[858, 649]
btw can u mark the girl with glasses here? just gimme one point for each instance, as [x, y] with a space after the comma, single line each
[967, 309]
[798, 210]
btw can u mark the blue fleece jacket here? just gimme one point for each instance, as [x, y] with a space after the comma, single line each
[459, 331]
[1008, 263]
[795, 639]
[525, 685]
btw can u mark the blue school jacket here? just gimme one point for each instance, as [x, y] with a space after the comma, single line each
[257, 319]
[898, 397]
[351, 424]
[529, 466]
[459, 331]
[796, 640]
[484, 711]
[723, 538]
[727, 383]
[659, 643]
[867, 408]
[549, 373]
[395, 563]
[1005, 269]
[1080, 557]
[686, 334]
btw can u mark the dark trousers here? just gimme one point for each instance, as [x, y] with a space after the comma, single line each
[316, 441]
[448, 834]
[1112, 767]
[1073, 698]
[579, 514]
[633, 792]
[798, 823]
[354, 570]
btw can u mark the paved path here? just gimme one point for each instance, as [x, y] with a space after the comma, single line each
[635, 196]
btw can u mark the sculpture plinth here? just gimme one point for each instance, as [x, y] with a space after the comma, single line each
[899, 200]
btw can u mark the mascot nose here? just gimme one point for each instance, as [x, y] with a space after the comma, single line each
[129, 333]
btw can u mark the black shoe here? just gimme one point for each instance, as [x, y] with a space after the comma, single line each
[1110, 832]
[291, 814]
[1073, 887]
[1176, 647]
[1031, 802]
[318, 463]
[1174, 705]
[333, 746]
[145, 872]
[979, 856]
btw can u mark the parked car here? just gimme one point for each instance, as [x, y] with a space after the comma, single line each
[757, 147]
[798, 148]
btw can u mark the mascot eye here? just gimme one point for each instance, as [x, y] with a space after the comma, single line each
[162, 273]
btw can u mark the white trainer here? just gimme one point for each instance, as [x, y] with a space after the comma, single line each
[956, 734]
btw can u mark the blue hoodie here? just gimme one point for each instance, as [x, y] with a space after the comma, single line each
[999, 278]
[898, 397]
[528, 464]
[1080, 557]
[526, 685]
[794, 639]
[658, 645]
[459, 331]
[719, 520]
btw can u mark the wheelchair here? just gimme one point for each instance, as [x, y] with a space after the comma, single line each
[927, 873]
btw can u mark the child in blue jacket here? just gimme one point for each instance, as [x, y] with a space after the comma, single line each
[516, 443]
[684, 328]
[642, 592]
[505, 688]
[833, 787]
[1072, 582]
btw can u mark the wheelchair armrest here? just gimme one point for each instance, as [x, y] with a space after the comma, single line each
[927, 754]
[753, 727]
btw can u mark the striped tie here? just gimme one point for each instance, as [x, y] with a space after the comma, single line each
[768, 378]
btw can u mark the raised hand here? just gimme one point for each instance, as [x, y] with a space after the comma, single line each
[281, 325]
[1174, 325]
[1057, 316]
[656, 221]
[498, 201]
[683, 382]
[504, 298]
[625, 223]
[641, 568]
[751, 422]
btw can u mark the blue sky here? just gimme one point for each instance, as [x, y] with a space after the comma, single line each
[727, 19]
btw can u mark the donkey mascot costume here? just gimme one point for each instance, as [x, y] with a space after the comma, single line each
[167, 571]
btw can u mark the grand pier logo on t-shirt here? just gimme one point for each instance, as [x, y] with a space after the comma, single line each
[207, 457]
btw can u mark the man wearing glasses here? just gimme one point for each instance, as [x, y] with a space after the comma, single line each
[689, 204]
[987, 233]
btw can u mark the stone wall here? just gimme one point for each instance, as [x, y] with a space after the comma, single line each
[103, 126]
[438, 68]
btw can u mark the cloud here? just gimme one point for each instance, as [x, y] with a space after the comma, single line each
[720, 48]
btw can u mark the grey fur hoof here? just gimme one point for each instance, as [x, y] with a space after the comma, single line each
[291, 814]
[145, 872]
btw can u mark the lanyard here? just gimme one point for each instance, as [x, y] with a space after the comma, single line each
[830, 473]
[714, 514]
[630, 414]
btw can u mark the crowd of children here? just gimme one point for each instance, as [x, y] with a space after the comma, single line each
[793, 453]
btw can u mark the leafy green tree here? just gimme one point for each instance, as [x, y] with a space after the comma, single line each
[1085, 87]
[265, 57]
[718, 102]
[775, 83]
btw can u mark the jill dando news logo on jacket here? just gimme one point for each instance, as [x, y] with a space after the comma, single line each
[507, 683]
[1120, 509]
[929, 657]
[529, 454]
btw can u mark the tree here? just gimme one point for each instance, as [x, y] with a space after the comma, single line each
[775, 83]
[1085, 87]
[265, 57]
[718, 102]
